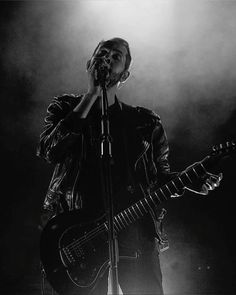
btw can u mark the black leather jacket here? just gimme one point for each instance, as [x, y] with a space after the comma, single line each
[62, 143]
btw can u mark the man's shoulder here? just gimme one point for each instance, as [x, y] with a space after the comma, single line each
[142, 113]
[64, 102]
[68, 98]
[148, 112]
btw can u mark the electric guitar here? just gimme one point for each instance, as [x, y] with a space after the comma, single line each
[74, 250]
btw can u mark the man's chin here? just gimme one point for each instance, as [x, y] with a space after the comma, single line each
[111, 83]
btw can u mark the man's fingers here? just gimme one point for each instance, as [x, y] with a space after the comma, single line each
[213, 180]
[204, 189]
[210, 184]
[214, 176]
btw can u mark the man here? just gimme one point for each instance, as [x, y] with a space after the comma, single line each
[72, 141]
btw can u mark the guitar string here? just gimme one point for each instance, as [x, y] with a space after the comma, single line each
[77, 247]
[95, 231]
[101, 228]
[73, 246]
[81, 241]
[90, 235]
[84, 238]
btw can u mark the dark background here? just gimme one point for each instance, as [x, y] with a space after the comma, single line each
[187, 75]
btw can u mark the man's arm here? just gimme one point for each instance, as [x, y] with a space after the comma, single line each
[63, 124]
[83, 108]
[206, 183]
[161, 153]
[62, 128]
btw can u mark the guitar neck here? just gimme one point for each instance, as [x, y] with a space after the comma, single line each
[158, 196]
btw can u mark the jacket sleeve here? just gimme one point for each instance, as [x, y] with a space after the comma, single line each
[161, 153]
[62, 128]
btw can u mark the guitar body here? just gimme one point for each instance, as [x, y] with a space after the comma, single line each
[72, 264]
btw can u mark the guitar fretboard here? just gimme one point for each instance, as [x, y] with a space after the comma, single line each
[157, 196]
[123, 219]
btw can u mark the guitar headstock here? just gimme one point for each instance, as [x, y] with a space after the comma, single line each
[224, 149]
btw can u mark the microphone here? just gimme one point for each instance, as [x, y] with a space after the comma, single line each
[102, 69]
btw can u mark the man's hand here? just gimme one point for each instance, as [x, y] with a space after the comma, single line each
[208, 183]
[85, 105]
[93, 87]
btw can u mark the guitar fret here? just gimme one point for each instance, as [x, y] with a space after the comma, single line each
[106, 227]
[124, 218]
[116, 228]
[203, 168]
[195, 172]
[181, 181]
[147, 203]
[127, 216]
[185, 173]
[157, 197]
[121, 221]
[116, 221]
[137, 214]
[163, 193]
[166, 185]
[174, 185]
[152, 200]
[139, 209]
[143, 206]
[131, 214]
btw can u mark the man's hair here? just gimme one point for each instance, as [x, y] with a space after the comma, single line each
[117, 41]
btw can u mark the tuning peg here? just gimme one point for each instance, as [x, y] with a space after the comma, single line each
[214, 148]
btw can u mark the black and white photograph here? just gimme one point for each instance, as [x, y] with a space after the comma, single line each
[118, 147]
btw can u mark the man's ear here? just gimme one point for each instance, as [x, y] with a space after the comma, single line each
[125, 75]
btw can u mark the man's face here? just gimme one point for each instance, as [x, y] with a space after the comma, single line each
[114, 55]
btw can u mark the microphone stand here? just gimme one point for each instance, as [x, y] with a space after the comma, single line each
[106, 158]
